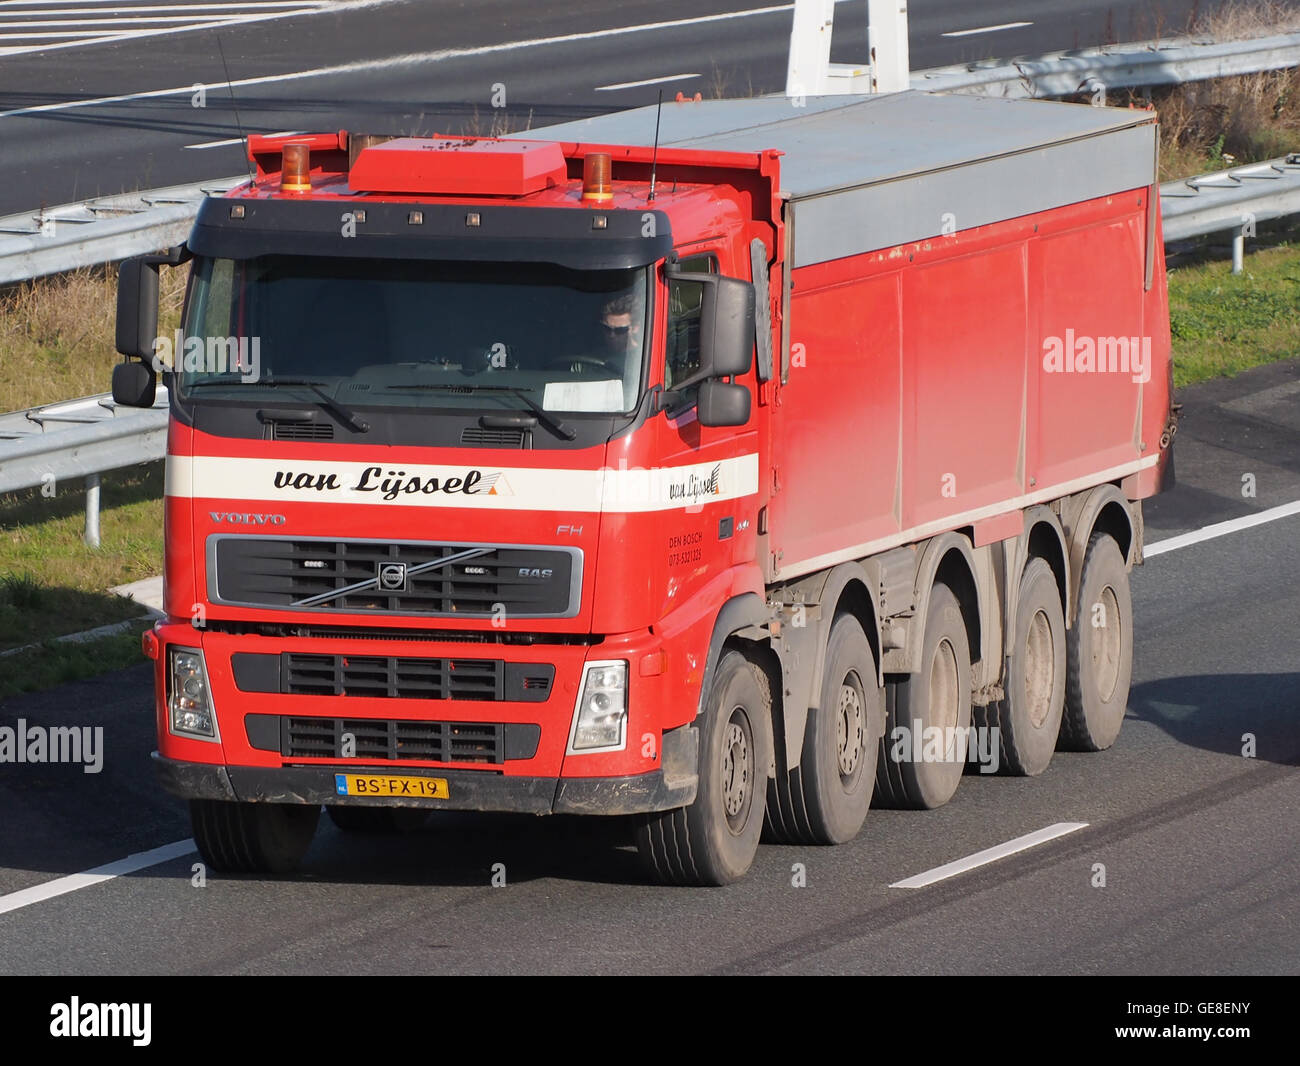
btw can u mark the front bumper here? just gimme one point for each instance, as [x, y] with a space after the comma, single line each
[664, 789]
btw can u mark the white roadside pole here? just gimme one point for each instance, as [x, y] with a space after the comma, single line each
[810, 71]
[810, 48]
[887, 37]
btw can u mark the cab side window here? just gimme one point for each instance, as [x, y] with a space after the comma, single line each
[685, 299]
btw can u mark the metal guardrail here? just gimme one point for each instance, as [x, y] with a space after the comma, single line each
[1235, 199]
[1164, 62]
[79, 438]
[109, 228]
[102, 230]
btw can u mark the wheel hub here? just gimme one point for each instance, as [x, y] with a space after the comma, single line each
[737, 767]
[1040, 664]
[945, 701]
[849, 727]
[1107, 639]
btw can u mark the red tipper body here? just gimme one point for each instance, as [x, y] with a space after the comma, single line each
[961, 336]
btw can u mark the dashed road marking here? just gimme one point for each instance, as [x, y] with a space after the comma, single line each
[988, 855]
[647, 81]
[240, 140]
[986, 29]
[1221, 529]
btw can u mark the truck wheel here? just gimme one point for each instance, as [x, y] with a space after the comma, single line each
[268, 838]
[1028, 718]
[938, 697]
[1099, 651]
[377, 821]
[714, 840]
[825, 799]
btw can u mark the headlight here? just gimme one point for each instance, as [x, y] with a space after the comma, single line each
[188, 704]
[600, 720]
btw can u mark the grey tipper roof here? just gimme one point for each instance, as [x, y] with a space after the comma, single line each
[835, 141]
[877, 171]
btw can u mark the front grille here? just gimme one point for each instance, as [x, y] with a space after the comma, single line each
[392, 677]
[345, 575]
[371, 739]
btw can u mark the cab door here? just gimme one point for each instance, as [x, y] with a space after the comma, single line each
[712, 470]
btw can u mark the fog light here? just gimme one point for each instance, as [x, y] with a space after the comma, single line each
[600, 719]
[189, 705]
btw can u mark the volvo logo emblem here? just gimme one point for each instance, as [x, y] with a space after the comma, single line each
[392, 577]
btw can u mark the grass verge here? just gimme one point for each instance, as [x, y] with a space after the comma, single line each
[50, 582]
[1223, 323]
[56, 664]
[57, 334]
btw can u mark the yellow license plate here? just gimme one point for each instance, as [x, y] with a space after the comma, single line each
[391, 785]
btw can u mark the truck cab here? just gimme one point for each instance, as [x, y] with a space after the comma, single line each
[449, 479]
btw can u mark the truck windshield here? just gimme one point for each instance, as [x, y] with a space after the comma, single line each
[413, 333]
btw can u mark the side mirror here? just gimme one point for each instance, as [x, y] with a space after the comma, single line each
[726, 326]
[720, 404]
[134, 384]
[137, 306]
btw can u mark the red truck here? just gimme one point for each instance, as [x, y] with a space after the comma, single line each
[727, 478]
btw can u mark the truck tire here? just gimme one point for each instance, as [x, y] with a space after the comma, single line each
[263, 838]
[939, 697]
[1099, 651]
[377, 821]
[825, 799]
[1028, 717]
[714, 840]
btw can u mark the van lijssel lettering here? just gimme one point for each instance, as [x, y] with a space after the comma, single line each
[391, 483]
[695, 486]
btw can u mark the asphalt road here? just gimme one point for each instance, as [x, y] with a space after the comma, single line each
[1201, 845]
[73, 122]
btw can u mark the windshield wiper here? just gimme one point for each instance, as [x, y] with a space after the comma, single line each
[327, 401]
[559, 427]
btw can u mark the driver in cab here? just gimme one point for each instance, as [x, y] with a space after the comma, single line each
[617, 353]
[620, 325]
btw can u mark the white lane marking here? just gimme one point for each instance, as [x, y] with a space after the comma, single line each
[233, 19]
[12, 10]
[986, 29]
[988, 855]
[132, 5]
[80, 35]
[240, 140]
[410, 59]
[60, 886]
[1221, 529]
[144, 21]
[647, 81]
